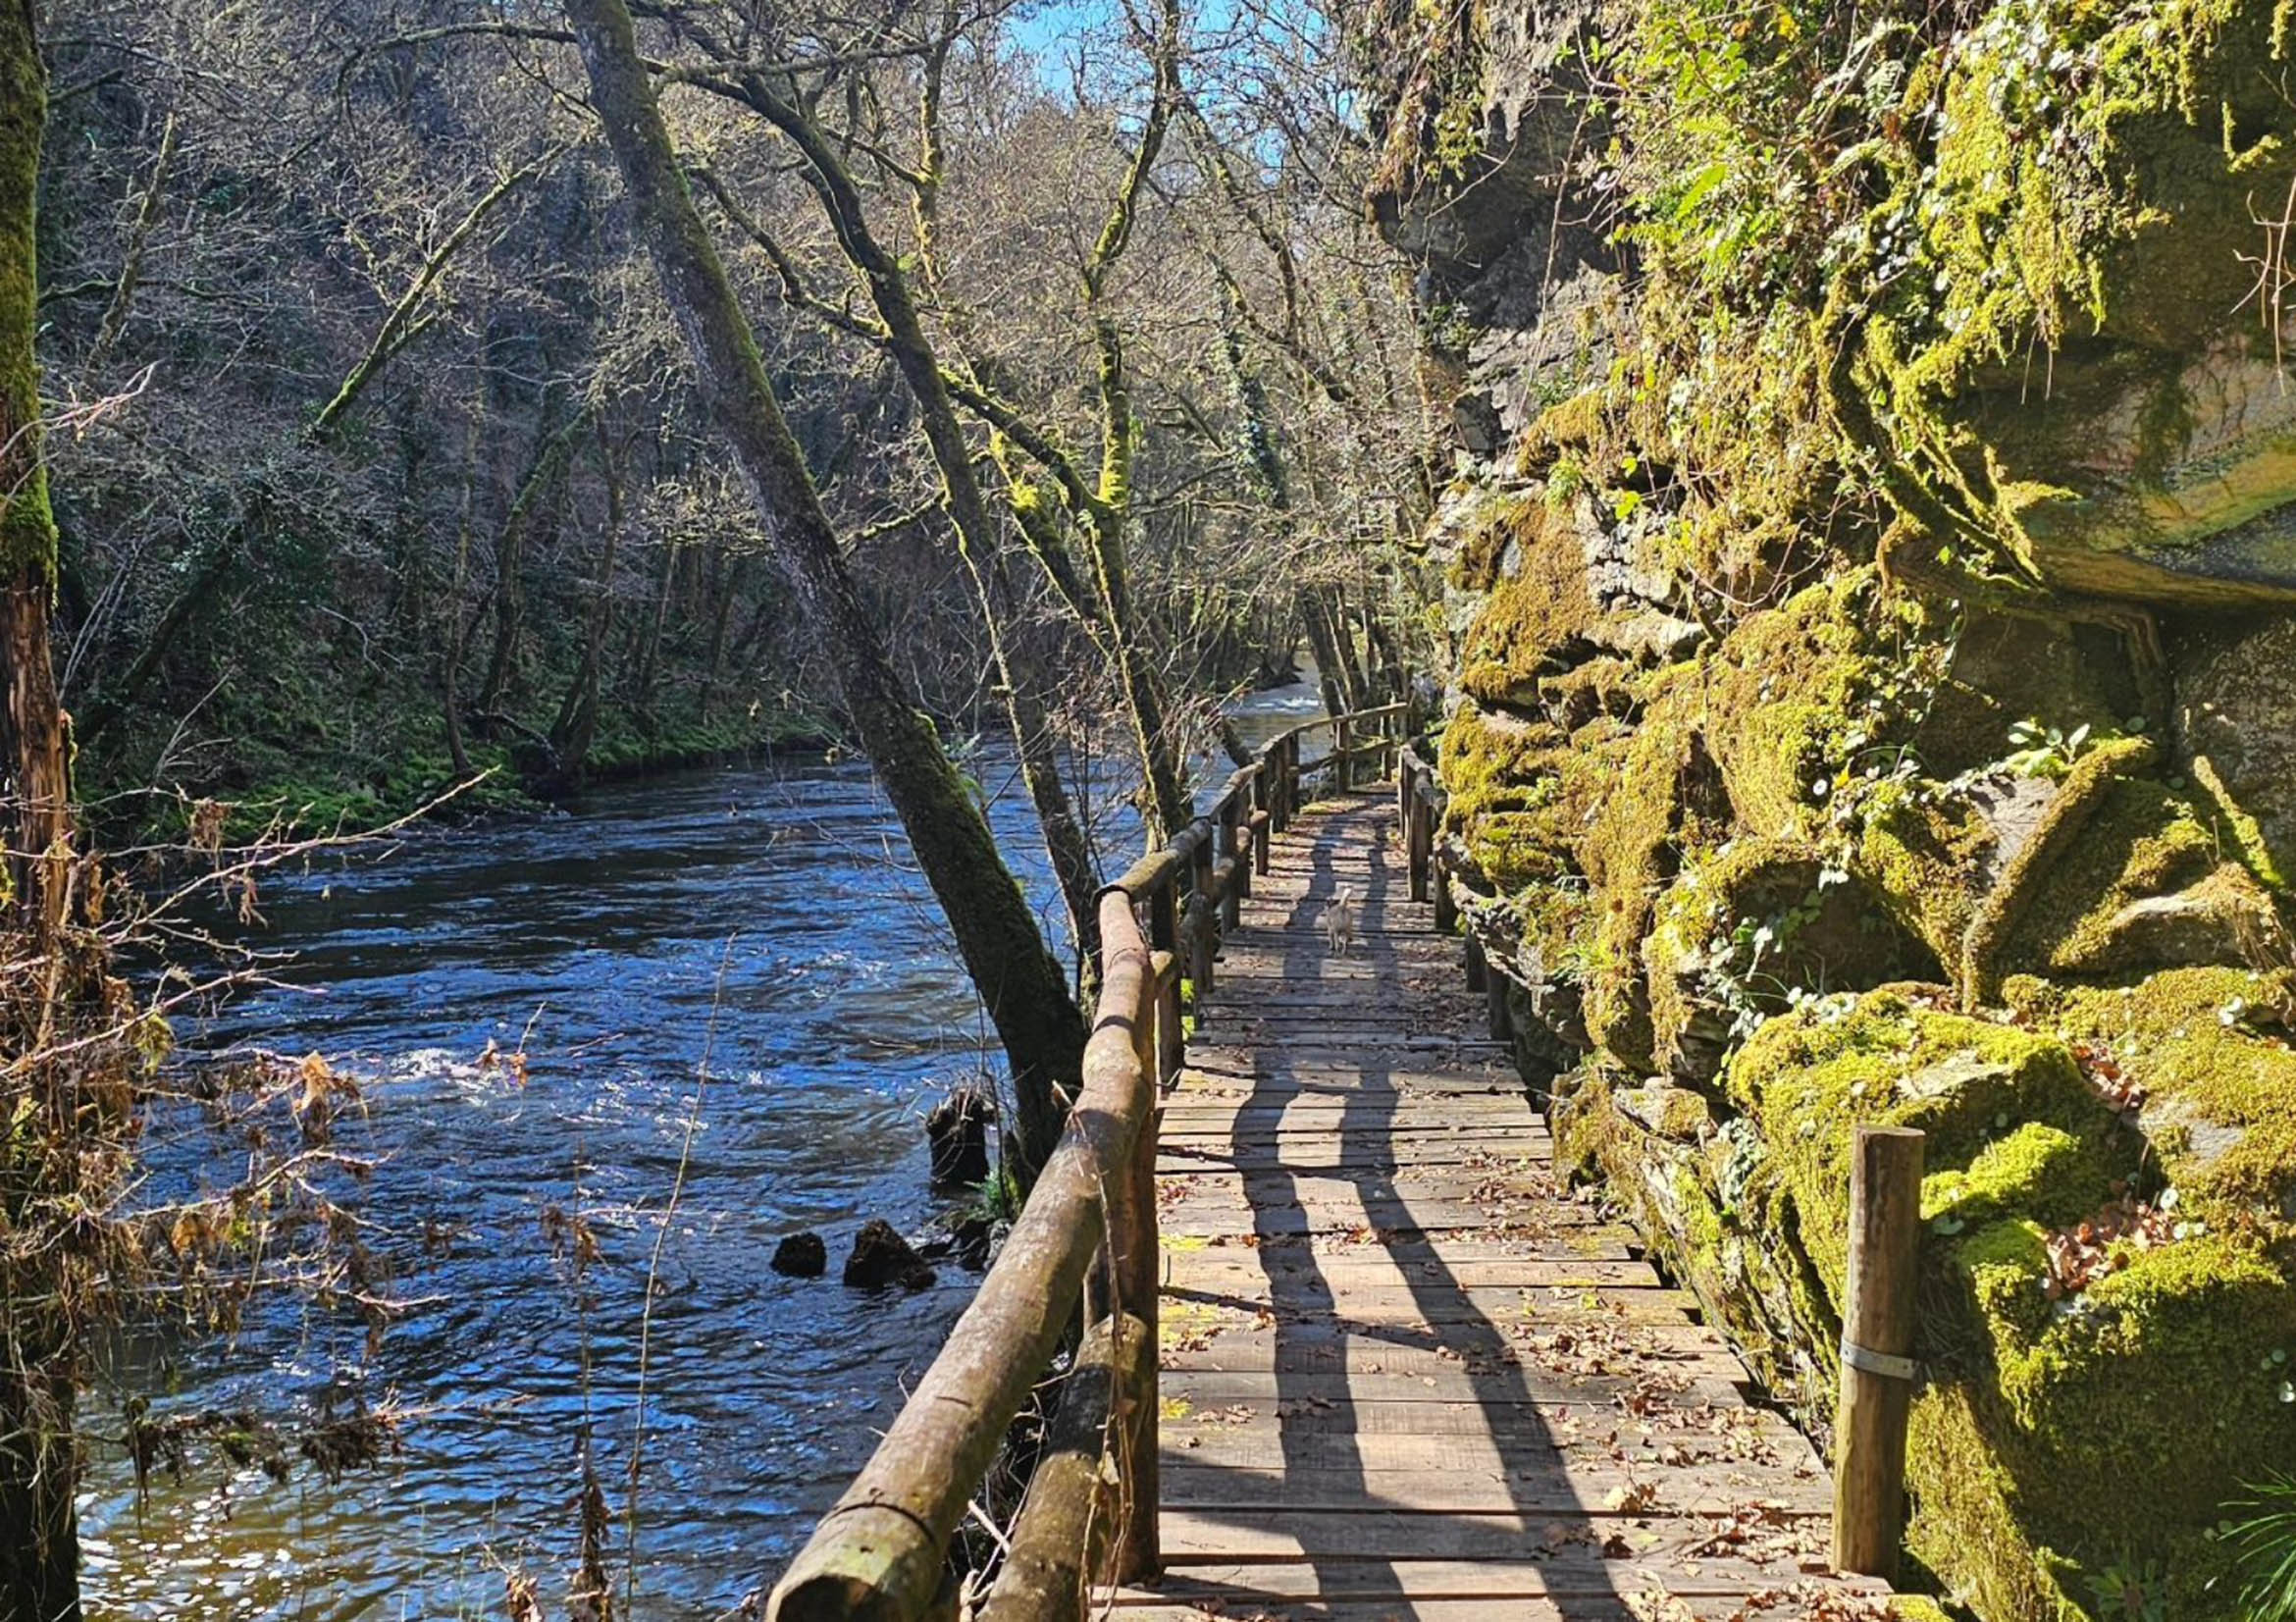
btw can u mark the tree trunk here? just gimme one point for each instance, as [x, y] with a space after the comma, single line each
[451, 622]
[1330, 672]
[721, 583]
[577, 723]
[1027, 995]
[40, 1551]
[509, 600]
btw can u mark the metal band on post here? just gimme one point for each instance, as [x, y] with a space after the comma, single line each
[1865, 1360]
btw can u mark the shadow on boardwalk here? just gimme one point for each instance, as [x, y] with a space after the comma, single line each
[1405, 1377]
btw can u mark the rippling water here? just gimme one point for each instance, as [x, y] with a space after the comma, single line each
[598, 939]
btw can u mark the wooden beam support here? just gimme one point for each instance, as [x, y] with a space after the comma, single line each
[1067, 1533]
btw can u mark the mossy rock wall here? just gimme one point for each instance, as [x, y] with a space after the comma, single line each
[1872, 610]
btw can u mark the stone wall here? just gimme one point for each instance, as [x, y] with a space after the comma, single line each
[1870, 581]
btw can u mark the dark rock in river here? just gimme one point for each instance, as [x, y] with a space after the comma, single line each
[958, 1132]
[881, 1256]
[801, 1256]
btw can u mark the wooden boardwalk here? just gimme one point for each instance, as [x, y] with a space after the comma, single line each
[1405, 1374]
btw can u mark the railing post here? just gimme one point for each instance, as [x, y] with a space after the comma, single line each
[1239, 872]
[1203, 937]
[1417, 840]
[1494, 991]
[1342, 757]
[1477, 972]
[1171, 1042]
[1447, 906]
[1139, 1553]
[1877, 1345]
[1263, 835]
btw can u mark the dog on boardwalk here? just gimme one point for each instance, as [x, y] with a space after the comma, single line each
[1339, 922]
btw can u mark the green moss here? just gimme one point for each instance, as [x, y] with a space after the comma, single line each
[2166, 1371]
[2218, 1078]
[1965, 1518]
[28, 528]
[2038, 1169]
[1804, 695]
[1808, 1077]
[1492, 762]
[2141, 841]
[2088, 784]
[1925, 855]
[1656, 807]
[1534, 622]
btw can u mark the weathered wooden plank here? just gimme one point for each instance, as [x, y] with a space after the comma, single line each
[1578, 1573]
[1725, 1437]
[1447, 1271]
[1503, 1308]
[1590, 1244]
[1558, 1484]
[1306, 1344]
[1688, 1381]
[1560, 1542]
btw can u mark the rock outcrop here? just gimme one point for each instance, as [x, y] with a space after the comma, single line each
[1871, 582]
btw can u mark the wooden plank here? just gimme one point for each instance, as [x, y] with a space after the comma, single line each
[1591, 1244]
[1497, 1307]
[1560, 1542]
[1359, 1346]
[1555, 1484]
[1727, 1438]
[1710, 1380]
[1564, 1559]
[1557, 1283]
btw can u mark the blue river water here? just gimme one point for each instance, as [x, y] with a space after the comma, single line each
[767, 915]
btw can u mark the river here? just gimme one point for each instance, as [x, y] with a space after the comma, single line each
[597, 941]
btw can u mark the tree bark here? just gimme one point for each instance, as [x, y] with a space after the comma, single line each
[1331, 670]
[509, 598]
[577, 723]
[1027, 995]
[40, 1551]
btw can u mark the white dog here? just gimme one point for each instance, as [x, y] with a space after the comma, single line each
[1339, 922]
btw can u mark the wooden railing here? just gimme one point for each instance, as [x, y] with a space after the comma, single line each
[1084, 1246]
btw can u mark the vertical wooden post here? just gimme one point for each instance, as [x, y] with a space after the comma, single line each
[1204, 918]
[1877, 1346]
[1164, 914]
[1447, 906]
[1263, 836]
[1139, 1553]
[1342, 756]
[1476, 973]
[1416, 840]
[1494, 991]
[1171, 1035]
[1239, 873]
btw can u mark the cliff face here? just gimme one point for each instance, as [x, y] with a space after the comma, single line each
[1871, 584]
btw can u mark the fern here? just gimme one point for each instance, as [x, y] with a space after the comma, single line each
[2263, 1547]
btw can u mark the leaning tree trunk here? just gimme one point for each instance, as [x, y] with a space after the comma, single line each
[1331, 671]
[39, 1553]
[1027, 995]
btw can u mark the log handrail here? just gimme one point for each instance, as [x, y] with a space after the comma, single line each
[1087, 1235]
